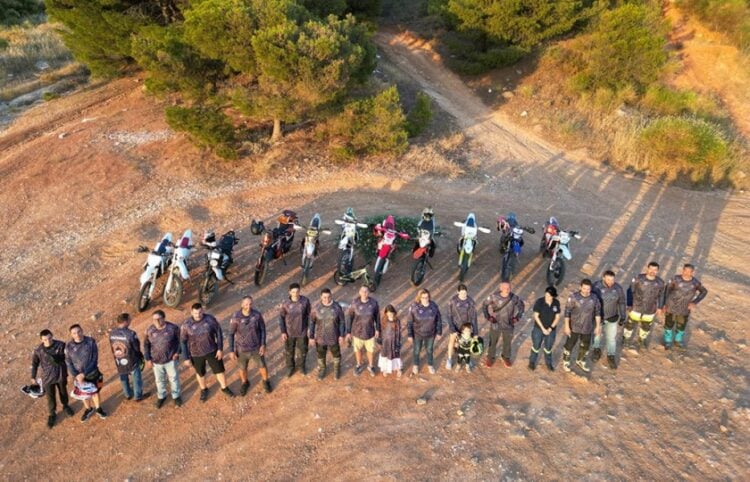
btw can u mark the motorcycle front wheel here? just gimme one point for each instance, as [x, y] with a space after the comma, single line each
[378, 272]
[464, 268]
[209, 289]
[556, 272]
[306, 267]
[173, 292]
[509, 266]
[260, 271]
[418, 271]
[144, 297]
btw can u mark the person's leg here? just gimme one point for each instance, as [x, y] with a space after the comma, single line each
[451, 349]
[217, 367]
[97, 400]
[507, 339]
[549, 342]
[199, 365]
[429, 348]
[370, 348]
[262, 367]
[418, 342]
[644, 331]
[63, 387]
[627, 331]
[289, 353]
[125, 382]
[681, 322]
[669, 321]
[570, 343]
[49, 393]
[242, 360]
[138, 382]
[321, 349]
[583, 347]
[160, 379]
[336, 352]
[492, 345]
[174, 379]
[536, 344]
[610, 334]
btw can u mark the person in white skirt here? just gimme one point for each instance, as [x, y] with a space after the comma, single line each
[390, 352]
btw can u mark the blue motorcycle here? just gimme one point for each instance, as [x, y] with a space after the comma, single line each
[511, 242]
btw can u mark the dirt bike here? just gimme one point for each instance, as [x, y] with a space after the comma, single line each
[158, 262]
[555, 245]
[421, 254]
[218, 261]
[386, 246]
[310, 244]
[178, 271]
[511, 242]
[347, 243]
[274, 243]
[353, 276]
[468, 243]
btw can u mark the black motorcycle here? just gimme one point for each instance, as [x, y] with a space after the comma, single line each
[274, 243]
[218, 261]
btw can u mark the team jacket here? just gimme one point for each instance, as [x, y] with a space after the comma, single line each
[582, 311]
[327, 324]
[52, 362]
[126, 348]
[682, 292]
[509, 315]
[363, 319]
[424, 321]
[460, 312]
[612, 299]
[294, 317]
[646, 296]
[82, 357]
[160, 346]
[199, 338]
[247, 333]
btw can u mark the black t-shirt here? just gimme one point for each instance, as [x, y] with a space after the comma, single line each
[547, 312]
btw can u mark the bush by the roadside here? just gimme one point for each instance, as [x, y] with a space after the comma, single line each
[420, 115]
[207, 127]
[730, 17]
[29, 50]
[684, 146]
[14, 11]
[664, 100]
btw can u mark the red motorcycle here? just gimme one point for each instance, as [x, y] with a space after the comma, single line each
[386, 246]
[274, 243]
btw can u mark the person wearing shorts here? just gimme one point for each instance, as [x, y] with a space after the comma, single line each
[202, 341]
[363, 327]
[247, 342]
[82, 359]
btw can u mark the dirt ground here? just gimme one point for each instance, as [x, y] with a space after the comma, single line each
[88, 178]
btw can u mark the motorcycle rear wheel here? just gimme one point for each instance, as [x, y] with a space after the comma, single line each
[556, 273]
[209, 289]
[143, 297]
[173, 295]
[339, 279]
[418, 271]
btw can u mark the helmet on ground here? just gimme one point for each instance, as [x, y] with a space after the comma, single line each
[477, 346]
[83, 391]
[209, 236]
[256, 227]
[34, 391]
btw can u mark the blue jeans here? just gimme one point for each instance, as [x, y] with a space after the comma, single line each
[539, 340]
[137, 383]
[610, 334]
[164, 372]
[429, 345]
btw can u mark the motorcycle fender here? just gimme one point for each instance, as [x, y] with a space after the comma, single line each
[384, 250]
[468, 247]
[182, 265]
[566, 252]
[418, 253]
[387, 262]
[344, 243]
[146, 275]
[310, 249]
[218, 273]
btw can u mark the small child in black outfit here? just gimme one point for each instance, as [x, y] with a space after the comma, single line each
[463, 347]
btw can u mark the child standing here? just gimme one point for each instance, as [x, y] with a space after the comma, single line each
[463, 347]
[390, 352]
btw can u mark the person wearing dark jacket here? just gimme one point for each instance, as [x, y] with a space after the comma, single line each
[363, 326]
[612, 298]
[424, 326]
[582, 319]
[461, 309]
[161, 349]
[644, 304]
[82, 360]
[247, 341]
[503, 310]
[202, 342]
[126, 348]
[294, 318]
[683, 293]
[546, 318]
[389, 360]
[327, 330]
[49, 356]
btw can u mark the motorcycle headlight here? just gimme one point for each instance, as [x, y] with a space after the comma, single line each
[214, 263]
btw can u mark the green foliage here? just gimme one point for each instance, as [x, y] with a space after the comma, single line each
[48, 96]
[207, 127]
[369, 9]
[368, 242]
[469, 60]
[686, 146]
[13, 12]
[25, 46]
[663, 100]
[627, 47]
[420, 115]
[324, 8]
[375, 125]
[730, 17]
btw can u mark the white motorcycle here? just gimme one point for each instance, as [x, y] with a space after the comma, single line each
[347, 243]
[157, 264]
[556, 247]
[468, 243]
[310, 245]
[178, 270]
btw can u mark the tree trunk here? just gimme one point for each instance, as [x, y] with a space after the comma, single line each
[276, 135]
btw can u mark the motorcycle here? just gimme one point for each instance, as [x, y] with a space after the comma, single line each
[511, 242]
[421, 254]
[157, 263]
[274, 243]
[178, 271]
[310, 244]
[347, 243]
[386, 246]
[555, 245]
[343, 279]
[468, 243]
[218, 261]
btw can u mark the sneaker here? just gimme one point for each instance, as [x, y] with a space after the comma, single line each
[596, 354]
[507, 363]
[385, 374]
[178, 402]
[468, 368]
[68, 411]
[321, 374]
[102, 414]
[143, 395]
[644, 343]
[87, 414]
[51, 421]
[488, 363]
[267, 386]
[289, 372]
[458, 367]
[448, 364]
[612, 362]
[204, 395]
[128, 397]
[160, 402]
[415, 370]
[243, 388]
[399, 373]
[303, 370]
[371, 371]
[582, 365]
[566, 366]
[550, 367]
[431, 369]
[532, 367]
[228, 392]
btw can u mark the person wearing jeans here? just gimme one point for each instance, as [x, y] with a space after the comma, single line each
[546, 318]
[294, 319]
[502, 310]
[49, 356]
[126, 348]
[161, 348]
[424, 326]
[612, 298]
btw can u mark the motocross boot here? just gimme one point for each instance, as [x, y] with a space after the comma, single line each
[668, 338]
[337, 368]
[680, 338]
[321, 368]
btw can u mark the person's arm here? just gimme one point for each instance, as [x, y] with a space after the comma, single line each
[232, 331]
[185, 343]
[598, 317]
[662, 298]
[452, 315]
[438, 321]
[621, 304]
[377, 319]
[341, 320]
[69, 362]
[146, 347]
[518, 308]
[94, 354]
[629, 297]
[486, 310]
[35, 360]
[349, 319]
[568, 311]
[282, 319]
[473, 319]
[410, 323]
[137, 344]
[311, 325]
[536, 309]
[262, 328]
[702, 292]
[219, 333]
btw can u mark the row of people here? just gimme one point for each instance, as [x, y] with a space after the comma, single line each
[594, 309]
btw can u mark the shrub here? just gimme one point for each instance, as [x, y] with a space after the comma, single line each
[48, 96]
[663, 100]
[676, 146]
[730, 17]
[419, 116]
[14, 11]
[207, 127]
[25, 47]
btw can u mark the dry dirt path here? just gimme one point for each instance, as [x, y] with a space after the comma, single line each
[658, 417]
